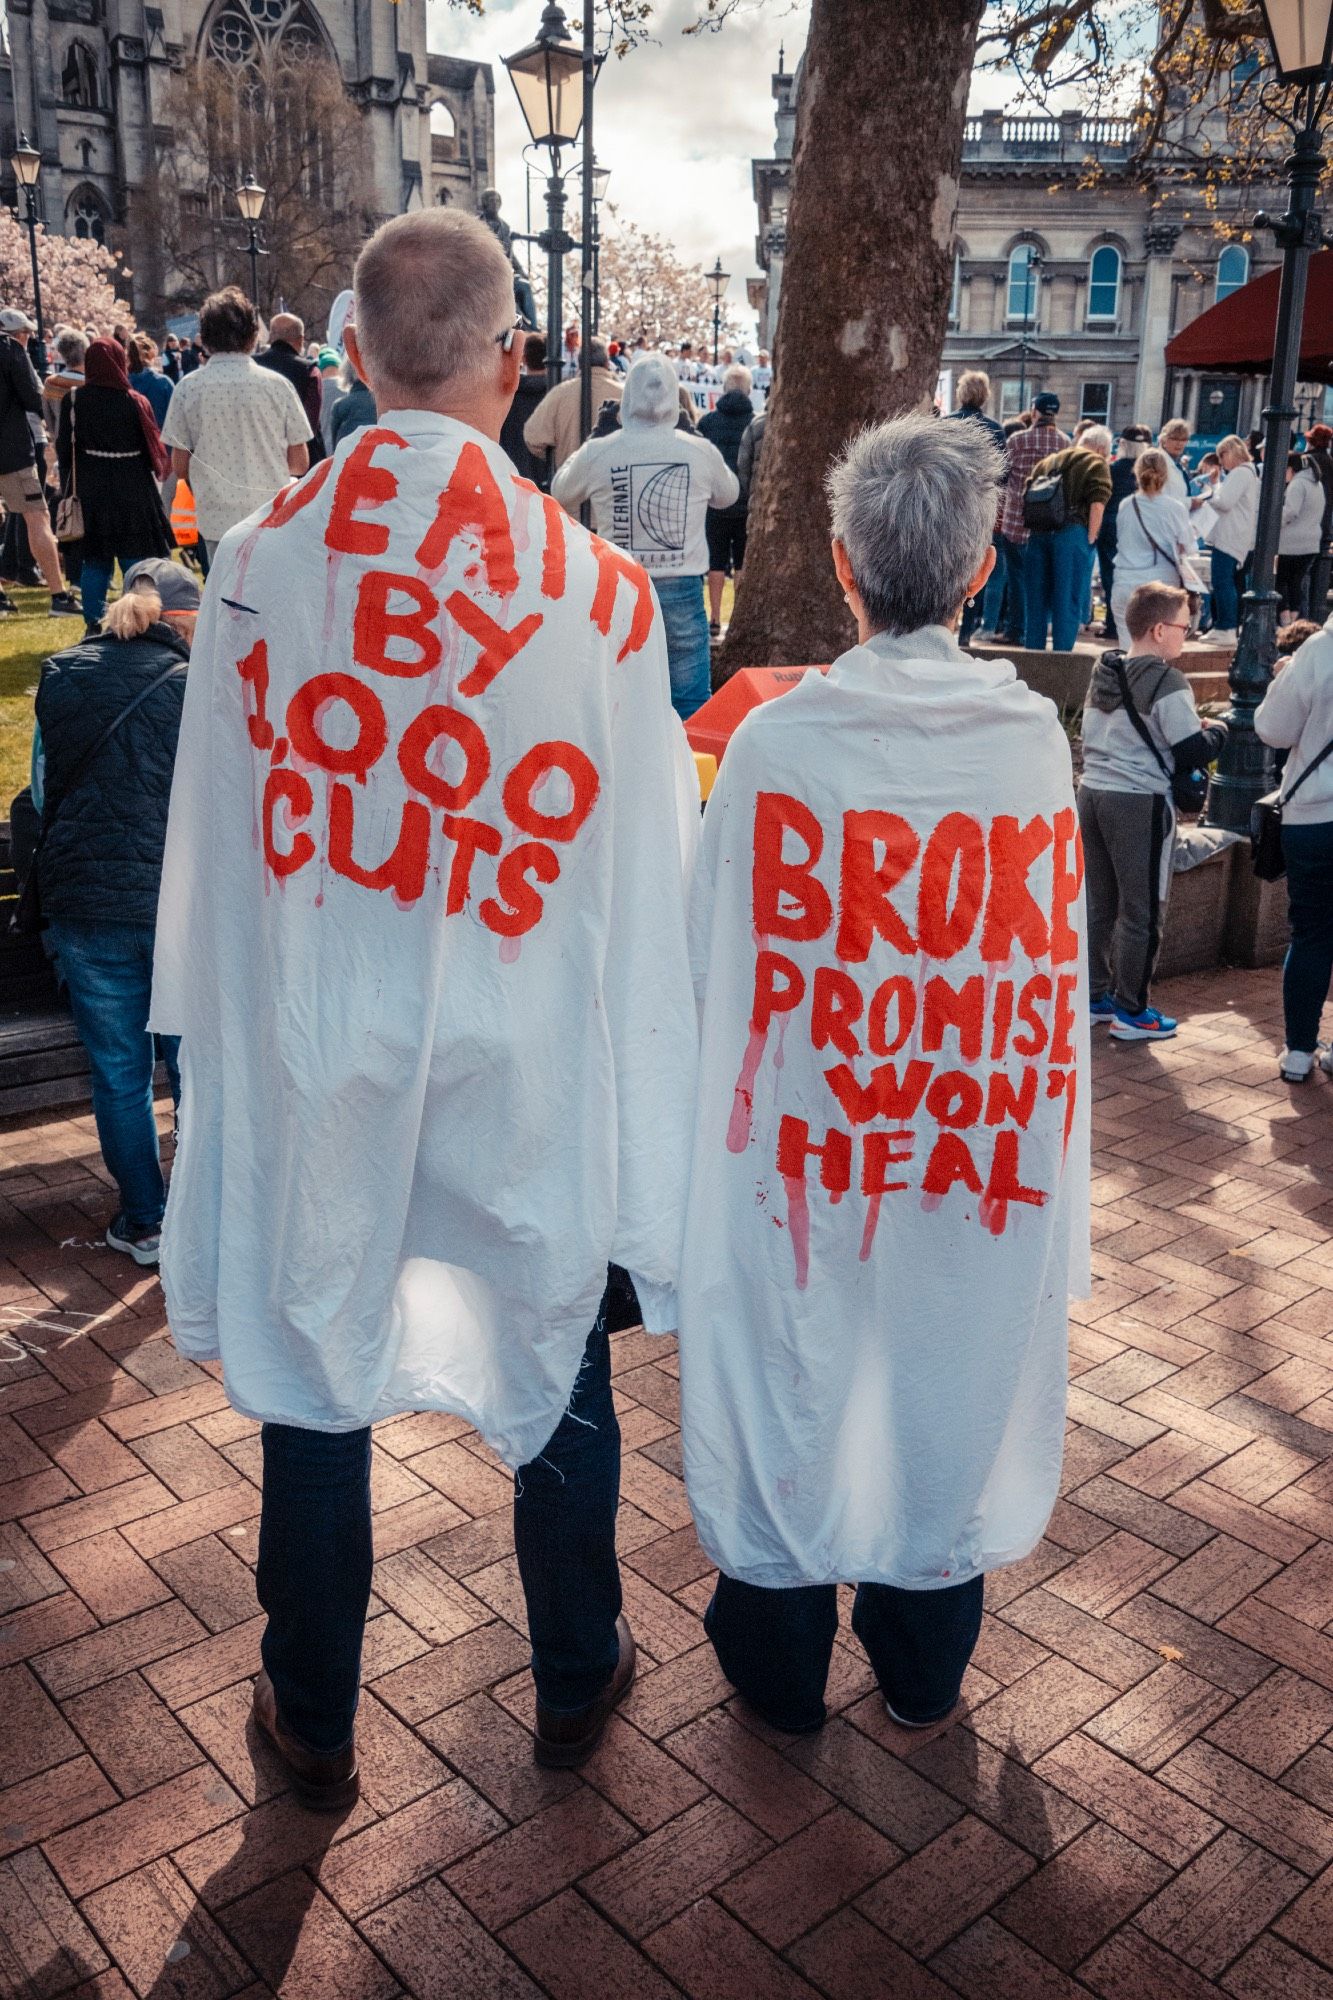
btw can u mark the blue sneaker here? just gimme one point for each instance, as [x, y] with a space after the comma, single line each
[1102, 1008]
[1149, 1026]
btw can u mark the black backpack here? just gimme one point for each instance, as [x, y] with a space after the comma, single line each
[1045, 503]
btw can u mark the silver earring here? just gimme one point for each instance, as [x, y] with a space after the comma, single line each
[970, 602]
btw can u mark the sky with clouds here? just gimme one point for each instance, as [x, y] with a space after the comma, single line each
[678, 120]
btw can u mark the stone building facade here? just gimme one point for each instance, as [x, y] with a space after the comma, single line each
[1066, 279]
[88, 81]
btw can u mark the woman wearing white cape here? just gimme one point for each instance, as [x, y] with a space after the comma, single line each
[888, 1200]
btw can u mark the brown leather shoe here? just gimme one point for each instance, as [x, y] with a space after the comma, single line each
[325, 1781]
[562, 1742]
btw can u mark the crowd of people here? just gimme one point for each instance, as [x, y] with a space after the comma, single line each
[478, 1032]
[114, 450]
[1128, 510]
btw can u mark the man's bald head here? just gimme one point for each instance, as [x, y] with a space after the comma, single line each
[287, 327]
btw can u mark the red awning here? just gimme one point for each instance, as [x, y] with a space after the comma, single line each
[1237, 334]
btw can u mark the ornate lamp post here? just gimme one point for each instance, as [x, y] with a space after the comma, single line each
[1031, 280]
[1301, 33]
[718, 280]
[27, 164]
[250, 201]
[548, 80]
[601, 177]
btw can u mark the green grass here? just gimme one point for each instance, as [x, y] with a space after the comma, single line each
[25, 642]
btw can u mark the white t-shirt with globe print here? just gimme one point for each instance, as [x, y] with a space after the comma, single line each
[650, 489]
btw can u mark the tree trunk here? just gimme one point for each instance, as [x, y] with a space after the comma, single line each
[865, 292]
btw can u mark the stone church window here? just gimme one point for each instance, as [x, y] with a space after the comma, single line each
[232, 39]
[79, 81]
[87, 216]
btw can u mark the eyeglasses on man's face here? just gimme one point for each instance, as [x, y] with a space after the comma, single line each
[510, 334]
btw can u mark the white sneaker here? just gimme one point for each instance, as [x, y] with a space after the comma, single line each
[1295, 1065]
[1326, 1061]
[1221, 635]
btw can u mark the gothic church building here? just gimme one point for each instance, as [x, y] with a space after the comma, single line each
[91, 82]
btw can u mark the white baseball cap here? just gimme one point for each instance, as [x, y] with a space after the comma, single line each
[12, 321]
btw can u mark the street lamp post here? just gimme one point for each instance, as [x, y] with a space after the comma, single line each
[601, 177]
[548, 80]
[250, 201]
[1301, 33]
[718, 280]
[27, 165]
[1030, 282]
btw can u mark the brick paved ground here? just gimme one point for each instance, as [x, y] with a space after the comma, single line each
[1138, 1802]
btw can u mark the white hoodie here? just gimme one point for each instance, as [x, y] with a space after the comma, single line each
[1297, 715]
[650, 484]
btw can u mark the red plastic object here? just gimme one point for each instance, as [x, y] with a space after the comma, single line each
[711, 727]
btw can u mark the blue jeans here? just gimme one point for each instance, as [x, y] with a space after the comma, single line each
[686, 621]
[1013, 558]
[316, 1554]
[1057, 576]
[774, 1646]
[1228, 582]
[95, 582]
[1308, 968]
[108, 970]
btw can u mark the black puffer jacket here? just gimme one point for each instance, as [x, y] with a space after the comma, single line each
[725, 425]
[101, 860]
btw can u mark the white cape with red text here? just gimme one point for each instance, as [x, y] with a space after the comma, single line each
[422, 932]
[888, 1206]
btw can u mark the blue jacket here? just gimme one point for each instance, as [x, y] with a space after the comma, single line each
[156, 388]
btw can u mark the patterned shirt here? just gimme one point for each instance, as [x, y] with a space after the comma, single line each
[236, 420]
[1025, 451]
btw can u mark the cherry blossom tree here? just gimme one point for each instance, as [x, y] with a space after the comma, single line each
[79, 277]
[646, 289]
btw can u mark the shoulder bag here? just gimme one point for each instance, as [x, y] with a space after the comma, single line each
[69, 508]
[1188, 788]
[1190, 582]
[1266, 824]
[27, 919]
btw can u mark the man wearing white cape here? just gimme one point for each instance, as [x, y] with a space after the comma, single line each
[888, 1200]
[422, 931]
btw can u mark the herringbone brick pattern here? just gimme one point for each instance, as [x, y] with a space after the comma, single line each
[1136, 1804]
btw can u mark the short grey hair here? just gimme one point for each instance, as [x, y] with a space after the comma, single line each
[1097, 438]
[599, 355]
[913, 503]
[433, 290]
[739, 377]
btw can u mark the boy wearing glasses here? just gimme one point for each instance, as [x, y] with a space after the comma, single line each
[1140, 728]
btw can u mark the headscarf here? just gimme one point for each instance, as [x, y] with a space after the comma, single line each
[652, 393]
[104, 368]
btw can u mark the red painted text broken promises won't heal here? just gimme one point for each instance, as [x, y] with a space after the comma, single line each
[934, 1075]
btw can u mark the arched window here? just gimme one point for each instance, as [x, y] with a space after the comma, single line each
[86, 215]
[79, 81]
[1233, 270]
[1023, 284]
[1104, 283]
[443, 132]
